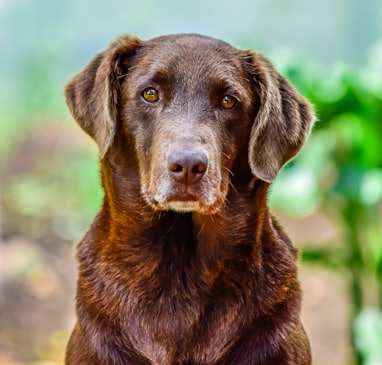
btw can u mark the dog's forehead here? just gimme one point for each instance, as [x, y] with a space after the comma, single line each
[188, 53]
[189, 42]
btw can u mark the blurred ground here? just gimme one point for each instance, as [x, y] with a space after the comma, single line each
[325, 310]
[36, 301]
[37, 272]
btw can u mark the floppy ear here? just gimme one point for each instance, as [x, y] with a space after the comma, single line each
[92, 95]
[283, 122]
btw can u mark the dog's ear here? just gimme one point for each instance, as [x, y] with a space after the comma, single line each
[92, 95]
[282, 124]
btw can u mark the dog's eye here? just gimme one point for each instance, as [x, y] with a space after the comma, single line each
[228, 102]
[150, 95]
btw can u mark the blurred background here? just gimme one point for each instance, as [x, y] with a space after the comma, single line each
[329, 199]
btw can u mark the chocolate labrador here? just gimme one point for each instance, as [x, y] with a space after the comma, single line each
[184, 264]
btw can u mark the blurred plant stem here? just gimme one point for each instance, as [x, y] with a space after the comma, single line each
[354, 262]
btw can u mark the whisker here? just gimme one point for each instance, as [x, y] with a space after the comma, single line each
[226, 155]
[233, 187]
[229, 171]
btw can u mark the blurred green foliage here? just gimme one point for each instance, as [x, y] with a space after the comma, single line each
[340, 173]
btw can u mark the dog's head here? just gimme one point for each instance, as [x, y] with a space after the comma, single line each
[191, 105]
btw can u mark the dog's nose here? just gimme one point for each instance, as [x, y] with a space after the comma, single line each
[187, 166]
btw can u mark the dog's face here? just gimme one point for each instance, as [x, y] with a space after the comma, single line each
[190, 105]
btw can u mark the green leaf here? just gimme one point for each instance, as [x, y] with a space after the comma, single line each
[368, 335]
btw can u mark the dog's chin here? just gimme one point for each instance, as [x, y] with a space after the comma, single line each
[184, 206]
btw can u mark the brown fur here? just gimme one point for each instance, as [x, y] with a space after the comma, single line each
[184, 264]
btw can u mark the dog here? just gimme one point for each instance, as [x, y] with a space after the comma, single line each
[184, 264]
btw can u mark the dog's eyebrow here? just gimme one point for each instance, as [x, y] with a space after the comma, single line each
[125, 74]
[120, 77]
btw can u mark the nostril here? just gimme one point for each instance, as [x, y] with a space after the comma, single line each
[176, 168]
[199, 168]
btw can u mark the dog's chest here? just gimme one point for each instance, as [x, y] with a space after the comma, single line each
[177, 333]
[178, 305]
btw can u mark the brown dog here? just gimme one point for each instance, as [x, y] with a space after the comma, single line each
[184, 264]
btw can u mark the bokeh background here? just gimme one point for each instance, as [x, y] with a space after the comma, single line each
[329, 199]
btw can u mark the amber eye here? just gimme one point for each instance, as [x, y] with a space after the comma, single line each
[150, 95]
[228, 102]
